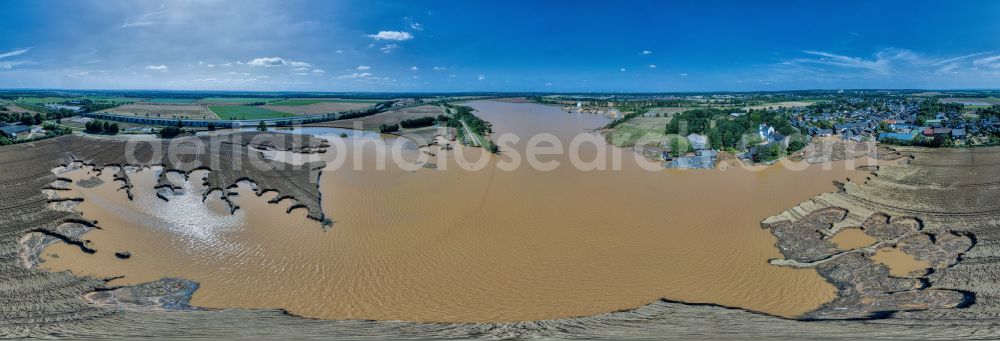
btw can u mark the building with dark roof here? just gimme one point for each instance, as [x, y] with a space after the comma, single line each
[14, 131]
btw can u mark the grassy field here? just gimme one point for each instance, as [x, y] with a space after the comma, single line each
[309, 101]
[667, 111]
[239, 112]
[629, 134]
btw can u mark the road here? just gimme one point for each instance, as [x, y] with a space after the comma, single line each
[475, 138]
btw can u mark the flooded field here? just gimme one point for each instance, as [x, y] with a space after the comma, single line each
[448, 244]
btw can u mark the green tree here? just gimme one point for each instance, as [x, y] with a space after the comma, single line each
[261, 126]
[678, 146]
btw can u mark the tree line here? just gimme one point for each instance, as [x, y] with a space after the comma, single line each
[101, 127]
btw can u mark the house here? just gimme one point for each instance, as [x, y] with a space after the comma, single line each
[14, 131]
[72, 108]
[933, 123]
[896, 136]
[958, 133]
[942, 131]
[704, 159]
[928, 132]
[698, 142]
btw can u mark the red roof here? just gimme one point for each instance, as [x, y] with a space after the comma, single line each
[928, 131]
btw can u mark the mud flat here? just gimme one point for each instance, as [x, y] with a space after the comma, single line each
[950, 194]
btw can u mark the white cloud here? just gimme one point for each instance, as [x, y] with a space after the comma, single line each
[548, 84]
[17, 52]
[992, 62]
[413, 24]
[951, 60]
[888, 64]
[319, 71]
[340, 51]
[647, 52]
[481, 77]
[300, 69]
[78, 74]
[885, 62]
[652, 66]
[299, 64]
[439, 68]
[237, 73]
[161, 68]
[684, 75]
[388, 48]
[267, 62]
[414, 68]
[622, 70]
[355, 75]
[392, 35]
[364, 67]
[12, 64]
[157, 17]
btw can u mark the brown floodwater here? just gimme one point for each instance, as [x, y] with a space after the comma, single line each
[852, 238]
[900, 263]
[449, 244]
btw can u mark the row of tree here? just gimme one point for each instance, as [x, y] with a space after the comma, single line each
[101, 127]
[417, 122]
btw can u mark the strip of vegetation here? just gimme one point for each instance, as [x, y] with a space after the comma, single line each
[386, 128]
[464, 113]
[417, 122]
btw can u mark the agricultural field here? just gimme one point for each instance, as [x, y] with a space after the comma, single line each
[45, 100]
[790, 104]
[391, 117]
[310, 101]
[972, 101]
[199, 112]
[235, 100]
[171, 100]
[54, 100]
[318, 107]
[241, 112]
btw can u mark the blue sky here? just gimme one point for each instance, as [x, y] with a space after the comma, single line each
[571, 46]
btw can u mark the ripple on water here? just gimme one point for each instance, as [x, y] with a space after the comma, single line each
[451, 245]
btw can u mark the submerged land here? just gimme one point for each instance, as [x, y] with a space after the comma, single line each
[862, 240]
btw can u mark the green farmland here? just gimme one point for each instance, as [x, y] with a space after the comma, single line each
[235, 100]
[239, 112]
[310, 101]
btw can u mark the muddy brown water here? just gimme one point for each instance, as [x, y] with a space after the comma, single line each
[449, 244]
